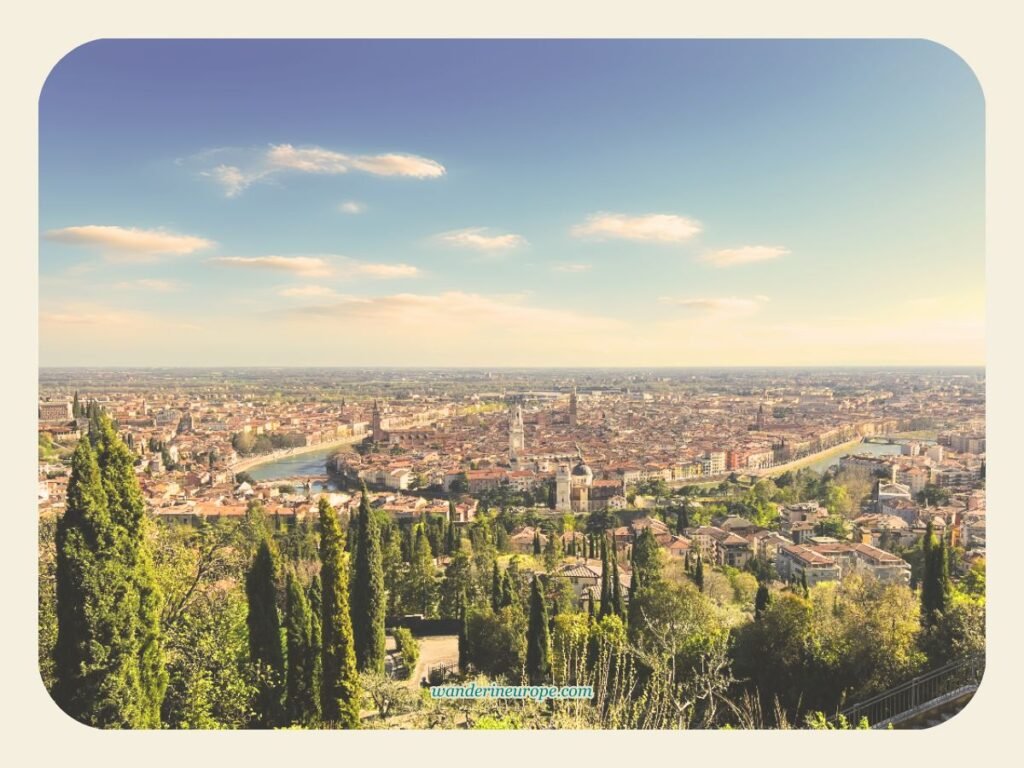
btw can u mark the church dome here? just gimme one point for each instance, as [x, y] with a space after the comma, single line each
[582, 470]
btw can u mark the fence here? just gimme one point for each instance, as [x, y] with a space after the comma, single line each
[920, 694]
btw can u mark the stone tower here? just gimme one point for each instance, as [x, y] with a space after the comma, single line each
[573, 408]
[516, 432]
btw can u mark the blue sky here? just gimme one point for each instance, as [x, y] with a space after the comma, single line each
[511, 203]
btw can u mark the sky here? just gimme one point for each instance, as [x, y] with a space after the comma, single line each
[511, 203]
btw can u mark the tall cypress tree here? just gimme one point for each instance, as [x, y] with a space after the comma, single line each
[606, 582]
[127, 509]
[339, 688]
[536, 543]
[369, 601]
[315, 667]
[496, 584]
[264, 624]
[109, 666]
[538, 640]
[935, 585]
[463, 614]
[299, 633]
[616, 586]
[698, 574]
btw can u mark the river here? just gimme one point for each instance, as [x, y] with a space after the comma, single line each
[309, 464]
[875, 449]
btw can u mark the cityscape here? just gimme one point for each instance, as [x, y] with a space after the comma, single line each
[511, 384]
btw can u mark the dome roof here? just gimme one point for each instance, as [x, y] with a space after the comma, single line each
[582, 470]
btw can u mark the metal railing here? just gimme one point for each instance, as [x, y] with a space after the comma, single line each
[920, 694]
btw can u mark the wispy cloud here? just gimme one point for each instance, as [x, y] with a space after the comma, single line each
[249, 166]
[571, 268]
[307, 291]
[310, 266]
[322, 265]
[80, 318]
[716, 305]
[747, 254]
[351, 207]
[149, 284]
[653, 227]
[479, 239]
[129, 243]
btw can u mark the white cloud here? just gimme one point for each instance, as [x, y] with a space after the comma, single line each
[352, 207]
[653, 227]
[747, 254]
[307, 291]
[322, 266]
[129, 243]
[312, 266]
[149, 284]
[478, 239]
[379, 271]
[307, 159]
[251, 165]
[716, 305]
[571, 268]
[399, 165]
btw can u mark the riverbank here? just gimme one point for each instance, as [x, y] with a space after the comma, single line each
[813, 458]
[284, 453]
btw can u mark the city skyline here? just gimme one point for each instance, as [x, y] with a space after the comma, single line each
[511, 204]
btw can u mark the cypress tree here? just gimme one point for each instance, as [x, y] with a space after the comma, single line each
[803, 584]
[508, 590]
[761, 600]
[109, 667]
[536, 543]
[616, 585]
[127, 508]
[606, 582]
[315, 668]
[698, 575]
[463, 611]
[538, 639]
[299, 633]
[76, 407]
[935, 585]
[496, 588]
[265, 635]
[339, 687]
[369, 602]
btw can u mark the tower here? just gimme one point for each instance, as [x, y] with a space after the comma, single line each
[376, 423]
[563, 489]
[573, 407]
[516, 432]
[760, 418]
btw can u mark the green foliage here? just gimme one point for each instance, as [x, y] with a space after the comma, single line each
[264, 624]
[421, 587]
[339, 689]
[300, 704]
[368, 598]
[408, 648]
[538, 642]
[109, 668]
[497, 641]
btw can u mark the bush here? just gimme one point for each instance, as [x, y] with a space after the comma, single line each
[408, 648]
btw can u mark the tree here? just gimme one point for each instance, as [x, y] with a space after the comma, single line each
[339, 687]
[421, 580]
[300, 704]
[617, 606]
[265, 635]
[108, 656]
[536, 543]
[606, 582]
[935, 584]
[368, 598]
[496, 587]
[538, 640]
[698, 574]
[761, 600]
[316, 602]
[128, 511]
[408, 649]
[463, 635]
